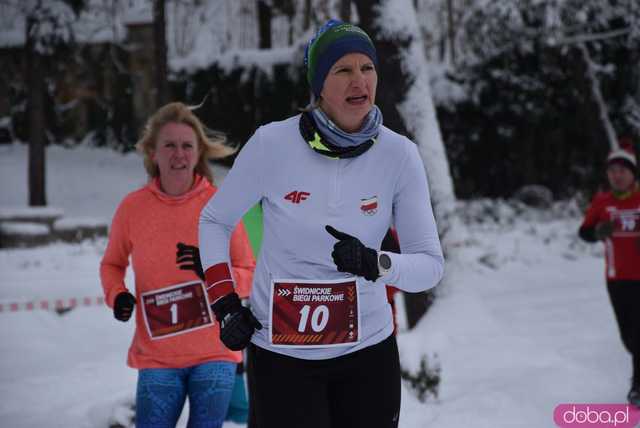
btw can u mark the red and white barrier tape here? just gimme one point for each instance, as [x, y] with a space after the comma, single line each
[51, 304]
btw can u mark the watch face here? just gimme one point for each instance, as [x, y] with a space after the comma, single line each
[385, 261]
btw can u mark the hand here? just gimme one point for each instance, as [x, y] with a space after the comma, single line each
[188, 258]
[237, 323]
[350, 255]
[123, 306]
[604, 230]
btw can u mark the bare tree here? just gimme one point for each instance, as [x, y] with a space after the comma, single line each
[597, 100]
[35, 108]
[160, 52]
[265, 13]
[306, 22]
[48, 26]
[451, 31]
[345, 10]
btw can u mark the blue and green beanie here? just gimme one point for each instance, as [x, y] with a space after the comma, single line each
[332, 41]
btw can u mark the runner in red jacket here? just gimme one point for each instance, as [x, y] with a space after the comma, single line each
[614, 218]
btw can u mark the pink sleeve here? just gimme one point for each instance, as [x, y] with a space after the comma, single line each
[242, 261]
[116, 257]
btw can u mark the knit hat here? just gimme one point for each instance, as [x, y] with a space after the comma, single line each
[332, 41]
[624, 156]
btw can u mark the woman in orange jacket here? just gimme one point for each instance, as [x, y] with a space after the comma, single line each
[176, 346]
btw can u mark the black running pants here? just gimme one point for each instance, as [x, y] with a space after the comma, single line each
[625, 298]
[358, 390]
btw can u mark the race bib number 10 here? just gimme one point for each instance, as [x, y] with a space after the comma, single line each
[314, 314]
[175, 310]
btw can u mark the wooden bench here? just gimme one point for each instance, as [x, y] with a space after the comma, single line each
[33, 226]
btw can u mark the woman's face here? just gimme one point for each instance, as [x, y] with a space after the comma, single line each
[349, 91]
[176, 151]
[621, 179]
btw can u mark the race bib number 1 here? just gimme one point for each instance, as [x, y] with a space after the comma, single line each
[314, 314]
[176, 309]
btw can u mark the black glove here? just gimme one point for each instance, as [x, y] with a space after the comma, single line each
[350, 255]
[123, 306]
[188, 258]
[237, 323]
[604, 230]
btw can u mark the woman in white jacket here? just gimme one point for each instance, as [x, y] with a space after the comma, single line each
[331, 182]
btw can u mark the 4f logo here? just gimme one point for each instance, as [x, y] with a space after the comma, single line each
[297, 197]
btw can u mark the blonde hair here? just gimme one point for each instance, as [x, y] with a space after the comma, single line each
[210, 143]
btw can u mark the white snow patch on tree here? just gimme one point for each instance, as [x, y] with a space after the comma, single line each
[263, 59]
[398, 20]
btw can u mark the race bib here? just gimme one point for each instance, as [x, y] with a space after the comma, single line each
[627, 222]
[314, 314]
[176, 309]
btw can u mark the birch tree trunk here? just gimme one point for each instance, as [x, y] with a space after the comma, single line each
[596, 97]
[404, 96]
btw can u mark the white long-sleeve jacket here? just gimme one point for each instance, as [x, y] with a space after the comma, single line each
[360, 196]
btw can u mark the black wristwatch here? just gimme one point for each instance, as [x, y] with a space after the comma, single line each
[384, 263]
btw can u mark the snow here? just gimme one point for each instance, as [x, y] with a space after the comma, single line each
[445, 91]
[22, 228]
[139, 14]
[98, 22]
[264, 59]
[83, 181]
[30, 213]
[73, 223]
[54, 19]
[198, 33]
[524, 324]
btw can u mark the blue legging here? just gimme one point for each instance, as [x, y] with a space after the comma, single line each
[161, 394]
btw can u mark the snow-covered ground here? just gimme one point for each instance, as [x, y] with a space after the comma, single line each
[522, 325]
